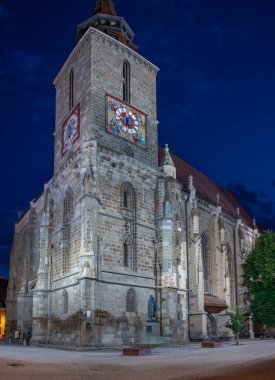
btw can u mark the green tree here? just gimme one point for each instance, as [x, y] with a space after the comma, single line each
[260, 279]
[236, 322]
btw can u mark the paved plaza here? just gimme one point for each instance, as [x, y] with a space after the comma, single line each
[252, 359]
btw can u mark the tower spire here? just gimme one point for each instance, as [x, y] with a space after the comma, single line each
[106, 20]
[105, 7]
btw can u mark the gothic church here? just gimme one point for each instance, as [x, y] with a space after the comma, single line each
[127, 244]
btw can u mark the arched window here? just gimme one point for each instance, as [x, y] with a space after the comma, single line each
[65, 302]
[206, 261]
[128, 196]
[131, 301]
[128, 203]
[71, 90]
[126, 199]
[126, 81]
[68, 205]
[67, 216]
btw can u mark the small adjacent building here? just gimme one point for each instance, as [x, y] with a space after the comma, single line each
[3, 294]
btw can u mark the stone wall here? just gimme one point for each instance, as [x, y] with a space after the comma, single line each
[111, 226]
[226, 254]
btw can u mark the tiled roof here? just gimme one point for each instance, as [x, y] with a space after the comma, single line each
[206, 189]
[214, 304]
[210, 300]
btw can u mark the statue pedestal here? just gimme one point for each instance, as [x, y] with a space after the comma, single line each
[152, 328]
[151, 335]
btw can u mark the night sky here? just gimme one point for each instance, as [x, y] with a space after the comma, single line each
[216, 92]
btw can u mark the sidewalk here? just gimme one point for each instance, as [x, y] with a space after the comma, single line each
[187, 362]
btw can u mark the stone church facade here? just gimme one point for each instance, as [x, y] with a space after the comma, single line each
[122, 220]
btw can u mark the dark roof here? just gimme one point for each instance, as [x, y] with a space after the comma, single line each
[214, 304]
[206, 189]
[105, 6]
[106, 20]
[3, 291]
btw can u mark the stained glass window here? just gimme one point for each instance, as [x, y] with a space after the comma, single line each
[131, 301]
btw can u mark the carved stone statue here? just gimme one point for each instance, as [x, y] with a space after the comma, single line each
[152, 307]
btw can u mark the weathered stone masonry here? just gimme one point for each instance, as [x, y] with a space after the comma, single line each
[118, 223]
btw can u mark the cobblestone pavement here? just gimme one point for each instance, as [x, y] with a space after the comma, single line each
[251, 360]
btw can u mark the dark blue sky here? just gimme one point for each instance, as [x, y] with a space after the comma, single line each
[216, 92]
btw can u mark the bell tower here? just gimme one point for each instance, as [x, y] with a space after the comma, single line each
[105, 19]
[106, 92]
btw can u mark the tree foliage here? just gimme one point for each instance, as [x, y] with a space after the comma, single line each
[236, 322]
[260, 279]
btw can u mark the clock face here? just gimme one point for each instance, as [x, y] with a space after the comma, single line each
[125, 121]
[71, 129]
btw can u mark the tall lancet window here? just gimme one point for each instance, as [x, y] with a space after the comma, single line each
[126, 81]
[128, 203]
[65, 302]
[131, 301]
[126, 199]
[67, 216]
[71, 90]
[206, 261]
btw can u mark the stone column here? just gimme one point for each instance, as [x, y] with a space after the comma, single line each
[168, 280]
[197, 315]
[41, 291]
[88, 258]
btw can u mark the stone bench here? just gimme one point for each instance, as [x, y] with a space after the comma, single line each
[211, 344]
[136, 351]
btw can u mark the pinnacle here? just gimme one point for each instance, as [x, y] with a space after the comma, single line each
[105, 7]
[167, 159]
[190, 180]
